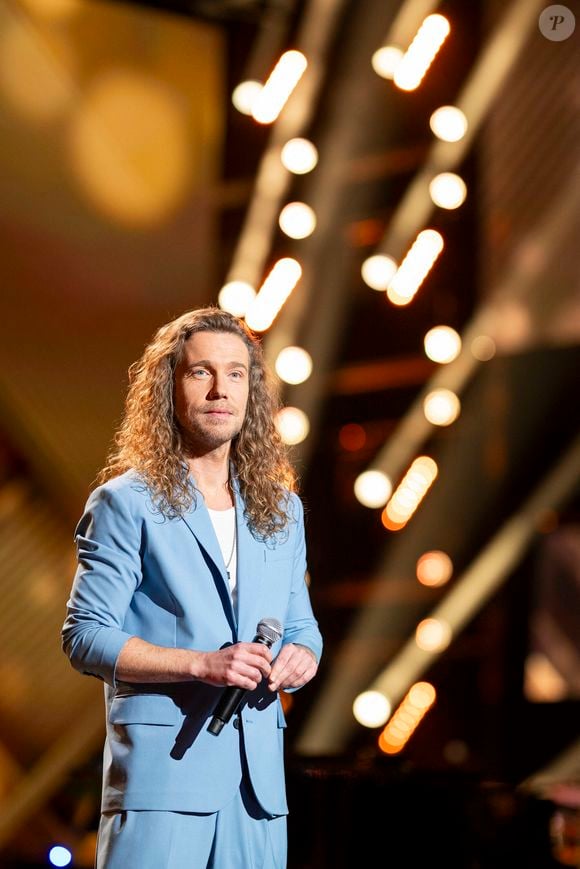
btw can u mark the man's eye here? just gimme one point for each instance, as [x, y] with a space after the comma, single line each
[237, 374]
[199, 372]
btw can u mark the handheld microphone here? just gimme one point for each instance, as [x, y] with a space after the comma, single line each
[267, 633]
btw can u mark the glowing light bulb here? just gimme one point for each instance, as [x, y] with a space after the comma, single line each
[371, 709]
[59, 856]
[297, 220]
[373, 488]
[245, 95]
[299, 156]
[293, 365]
[448, 123]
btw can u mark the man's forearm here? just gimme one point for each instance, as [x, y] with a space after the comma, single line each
[140, 661]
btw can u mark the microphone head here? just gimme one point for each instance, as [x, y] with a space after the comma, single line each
[270, 629]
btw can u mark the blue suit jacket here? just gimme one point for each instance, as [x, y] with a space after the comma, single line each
[141, 574]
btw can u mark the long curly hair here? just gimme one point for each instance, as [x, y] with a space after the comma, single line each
[149, 440]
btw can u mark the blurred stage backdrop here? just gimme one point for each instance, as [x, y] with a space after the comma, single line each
[389, 192]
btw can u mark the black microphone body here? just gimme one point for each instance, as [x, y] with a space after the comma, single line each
[267, 633]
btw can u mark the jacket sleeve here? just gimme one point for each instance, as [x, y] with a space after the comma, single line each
[108, 541]
[300, 625]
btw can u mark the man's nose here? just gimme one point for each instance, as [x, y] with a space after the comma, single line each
[218, 387]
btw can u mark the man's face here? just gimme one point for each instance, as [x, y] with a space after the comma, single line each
[211, 389]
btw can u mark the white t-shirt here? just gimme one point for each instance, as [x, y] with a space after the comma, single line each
[224, 523]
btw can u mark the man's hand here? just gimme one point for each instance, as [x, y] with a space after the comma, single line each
[242, 665]
[295, 666]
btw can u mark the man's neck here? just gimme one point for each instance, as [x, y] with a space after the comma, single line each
[211, 473]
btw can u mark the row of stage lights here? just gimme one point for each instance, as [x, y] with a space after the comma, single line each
[441, 406]
[297, 220]
[400, 281]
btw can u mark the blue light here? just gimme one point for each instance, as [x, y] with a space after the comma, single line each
[59, 856]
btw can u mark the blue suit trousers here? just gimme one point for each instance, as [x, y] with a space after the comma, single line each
[239, 836]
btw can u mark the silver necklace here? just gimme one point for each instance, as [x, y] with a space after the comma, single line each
[229, 561]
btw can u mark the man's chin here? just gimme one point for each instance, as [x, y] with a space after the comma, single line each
[212, 436]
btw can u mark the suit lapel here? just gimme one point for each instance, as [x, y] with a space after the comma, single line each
[250, 573]
[198, 521]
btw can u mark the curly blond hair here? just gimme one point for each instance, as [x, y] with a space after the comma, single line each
[149, 440]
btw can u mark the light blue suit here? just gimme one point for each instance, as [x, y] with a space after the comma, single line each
[164, 580]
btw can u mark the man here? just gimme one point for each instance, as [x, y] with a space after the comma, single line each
[192, 537]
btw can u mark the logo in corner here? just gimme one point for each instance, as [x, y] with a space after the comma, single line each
[557, 23]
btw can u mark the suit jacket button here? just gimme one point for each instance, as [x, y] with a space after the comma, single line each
[237, 723]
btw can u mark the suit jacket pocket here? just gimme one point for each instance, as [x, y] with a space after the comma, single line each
[144, 709]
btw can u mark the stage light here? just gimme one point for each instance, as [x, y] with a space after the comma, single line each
[409, 73]
[371, 709]
[245, 95]
[448, 123]
[409, 493]
[441, 407]
[299, 156]
[59, 856]
[280, 84]
[235, 297]
[372, 488]
[293, 425]
[448, 190]
[433, 635]
[293, 365]
[377, 271]
[416, 265]
[434, 568]
[421, 695]
[297, 220]
[407, 717]
[386, 59]
[442, 344]
[278, 285]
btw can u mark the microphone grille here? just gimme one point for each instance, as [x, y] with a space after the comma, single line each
[270, 629]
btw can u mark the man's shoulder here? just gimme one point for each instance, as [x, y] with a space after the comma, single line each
[127, 487]
[295, 505]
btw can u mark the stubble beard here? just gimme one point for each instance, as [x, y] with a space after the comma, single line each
[210, 435]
